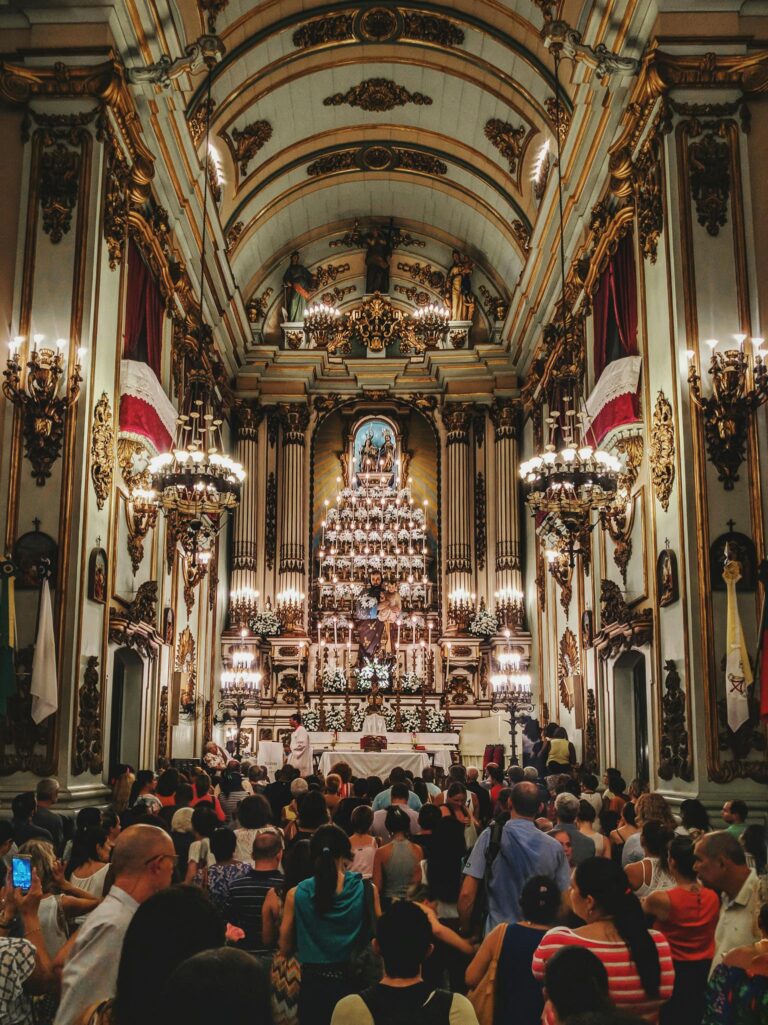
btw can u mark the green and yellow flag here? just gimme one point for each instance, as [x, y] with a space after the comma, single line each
[7, 633]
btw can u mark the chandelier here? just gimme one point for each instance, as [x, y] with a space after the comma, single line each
[431, 324]
[565, 483]
[241, 681]
[321, 324]
[197, 483]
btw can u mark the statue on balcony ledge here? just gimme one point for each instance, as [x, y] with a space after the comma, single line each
[298, 285]
[378, 250]
[458, 287]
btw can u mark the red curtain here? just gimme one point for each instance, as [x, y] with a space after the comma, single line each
[143, 339]
[615, 306]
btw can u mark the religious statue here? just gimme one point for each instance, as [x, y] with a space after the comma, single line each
[369, 453]
[369, 627]
[458, 282]
[378, 250]
[387, 453]
[298, 285]
[390, 608]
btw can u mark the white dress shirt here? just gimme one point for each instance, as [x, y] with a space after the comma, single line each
[737, 924]
[90, 974]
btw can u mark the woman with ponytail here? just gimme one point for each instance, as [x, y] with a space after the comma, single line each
[505, 955]
[638, 960]
[325, 922]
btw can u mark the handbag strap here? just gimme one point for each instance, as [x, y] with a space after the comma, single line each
[496, 951]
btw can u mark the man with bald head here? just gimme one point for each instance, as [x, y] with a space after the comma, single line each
[142, 861]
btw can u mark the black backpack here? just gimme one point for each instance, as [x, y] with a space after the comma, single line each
[435, 1010]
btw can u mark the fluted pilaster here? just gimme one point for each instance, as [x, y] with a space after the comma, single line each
[294, 419]
[505, 417]
[456, 503]
[244, 569]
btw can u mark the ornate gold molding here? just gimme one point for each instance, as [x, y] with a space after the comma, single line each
[377, 157]
[102, 450]
[662, 452]
[377, 94]
[508, 140]
[378, 25]
[568, 664]
[88, 754]
[244, 143]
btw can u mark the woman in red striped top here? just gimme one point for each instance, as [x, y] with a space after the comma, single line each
[638, 961]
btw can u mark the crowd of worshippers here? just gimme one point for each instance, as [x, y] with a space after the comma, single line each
[482, 896]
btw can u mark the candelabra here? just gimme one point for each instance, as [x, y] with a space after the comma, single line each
[289, 605]
[430, 324]
[321, 324]
[141, 516]
[39, 398]
[739, 387]
[512, 692]
[243, 605]
[239, 691]
[461, 609]
[509, 608]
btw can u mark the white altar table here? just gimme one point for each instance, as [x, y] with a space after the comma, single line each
[341, 746]
[374, 763]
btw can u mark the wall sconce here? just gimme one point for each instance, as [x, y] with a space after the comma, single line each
[36, 393]
[561, 568]
[194, 572]
[739, 387]
[289, 605]
[461, 608]
[510, 610]
[141, 516]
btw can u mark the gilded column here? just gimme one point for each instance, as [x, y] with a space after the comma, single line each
[504, 414]
[458, 421]
[244, 545]
[294, 419]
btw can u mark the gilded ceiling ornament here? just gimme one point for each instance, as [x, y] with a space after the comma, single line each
[376, 323]
[568, 665]
[198, 122]
[133, 459]
[507, 139]
[232, 236]
[334, 297]
[495, 308]
[143, 608]
[102, 450]
[244, 143]
[649, 204]
[710, 177]
[325, 275]
[334, 29]
[59, 185]
[88, 752]
[342, 161]
[377, 157]
[424, 274]
[674, 744]
[429, 29]
[591, 752]
[522, 234]
[377, 94]
[140, 518]
[116, 203]
[413, 294]
[257, 307]
[357, 238]
[378, 25]
[662, 452]
[550, 106]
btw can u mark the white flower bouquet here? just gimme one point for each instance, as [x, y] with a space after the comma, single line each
[483, 624]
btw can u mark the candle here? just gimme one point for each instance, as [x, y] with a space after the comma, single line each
[429, 634]
[349, 642]
[335, 634]
[318, 633]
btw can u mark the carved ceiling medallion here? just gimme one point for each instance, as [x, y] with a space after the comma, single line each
[662, 453]
[377, 94]
[377, 157]
[102, 450]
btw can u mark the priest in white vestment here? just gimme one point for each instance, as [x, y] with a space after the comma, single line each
[301, 750]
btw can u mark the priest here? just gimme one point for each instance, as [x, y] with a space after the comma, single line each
[301, 750]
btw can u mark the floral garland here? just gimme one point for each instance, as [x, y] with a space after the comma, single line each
[266, 624]
[366, 673]
[483, 624]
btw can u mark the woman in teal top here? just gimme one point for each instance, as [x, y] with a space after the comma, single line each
[322, 923]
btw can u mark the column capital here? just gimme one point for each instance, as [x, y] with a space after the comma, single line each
[294, 418]
[249, 416]
[457, 417]
[505, 414]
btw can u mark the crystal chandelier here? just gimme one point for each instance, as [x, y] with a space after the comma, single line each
[431, 324]
[566, 482]
[196, 482]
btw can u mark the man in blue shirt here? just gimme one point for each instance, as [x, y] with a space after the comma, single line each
[384, 799]
[524, 851]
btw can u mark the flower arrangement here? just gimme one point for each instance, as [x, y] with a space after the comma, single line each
[335, 718]
[411, 683]
[266, 624]
[357, 718]
[436, 721]
[311, 719]
[334, 681]
[365, 674]
[483, 624]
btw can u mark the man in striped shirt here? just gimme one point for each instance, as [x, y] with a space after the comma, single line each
[247, 895]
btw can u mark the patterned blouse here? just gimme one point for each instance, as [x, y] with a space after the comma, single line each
[219, 879]
[17, 963]
[736, 998]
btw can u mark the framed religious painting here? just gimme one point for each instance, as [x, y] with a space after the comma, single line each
[97, 576]
[587, 629]
[169, 622]
[667, 580]
[29, 553]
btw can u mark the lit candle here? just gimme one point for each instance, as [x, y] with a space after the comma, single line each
[335, 633]
[429, 634]
[318, 633]
[349, 642]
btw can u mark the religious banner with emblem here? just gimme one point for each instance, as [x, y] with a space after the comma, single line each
[738, 673]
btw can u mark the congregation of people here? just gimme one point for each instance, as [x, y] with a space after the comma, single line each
[485, 896]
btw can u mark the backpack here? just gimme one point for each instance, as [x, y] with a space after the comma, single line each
[480, 908]
[435, 1010]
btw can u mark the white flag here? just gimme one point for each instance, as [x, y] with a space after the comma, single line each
[44, 689]
[738, 672]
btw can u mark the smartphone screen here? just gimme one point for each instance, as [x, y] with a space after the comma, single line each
[21, 872]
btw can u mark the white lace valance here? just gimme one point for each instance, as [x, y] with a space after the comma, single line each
[139, 381]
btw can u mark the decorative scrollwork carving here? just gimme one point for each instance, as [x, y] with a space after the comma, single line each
[675, 748]
[613, 607]
[562, 572]
[378, 157]
[649, 204]
[377, 94]
[162, 726]
[662, 453]
[102, 450]
[507, 139]
[59, 186]
[709, 160]
[480, 524]
[567, 665]
[257, 307]
[143, 608]
[550, 106]
[378, 25]
[233, 235]
[88, 753]
[522, 234]
[424, 274]
[495, 308]
[244, 143]
[270, 530]
[198, 122]
[591, 751]
[323, 276]
[116, 201]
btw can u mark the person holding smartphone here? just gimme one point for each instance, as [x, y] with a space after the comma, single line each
[25, 968]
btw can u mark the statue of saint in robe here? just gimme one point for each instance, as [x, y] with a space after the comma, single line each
[377, 253]
[369, 627]
[369, 454]
[458, 287]
[298, 285]
[387, 453]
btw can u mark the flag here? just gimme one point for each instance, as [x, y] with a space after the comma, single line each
[44, 688]
[738, 673]
[761, 659]
[7, 634]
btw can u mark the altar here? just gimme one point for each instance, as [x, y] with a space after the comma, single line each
[345, 747]
[374, 763]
